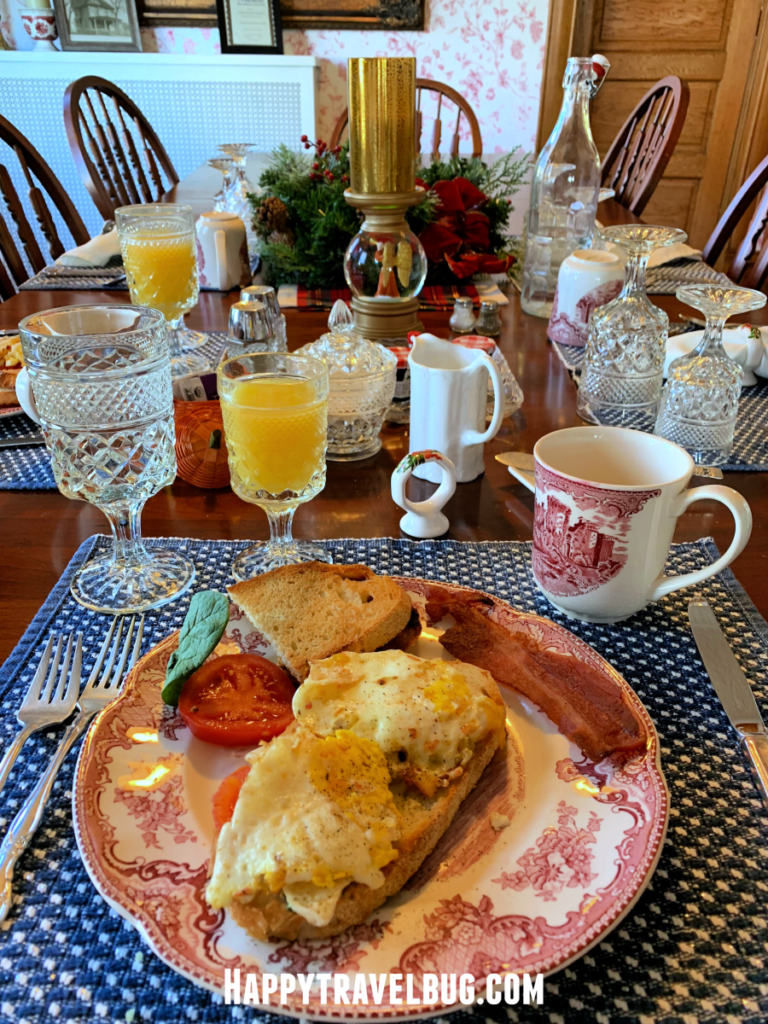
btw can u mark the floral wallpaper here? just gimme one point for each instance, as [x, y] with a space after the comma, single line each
[490, 52]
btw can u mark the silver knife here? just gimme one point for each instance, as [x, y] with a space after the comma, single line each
[30, 441]
[733, 689]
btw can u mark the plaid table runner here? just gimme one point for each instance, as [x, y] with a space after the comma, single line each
[691, 950]
[23, 469]
[750, 443]
[431, 297]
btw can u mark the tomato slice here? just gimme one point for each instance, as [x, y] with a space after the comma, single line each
[238, 700]
[225, 797]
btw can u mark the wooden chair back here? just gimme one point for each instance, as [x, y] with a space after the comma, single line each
[639, 154]
[45, 193]
[748, 266]
[117, 152]
[442, 94]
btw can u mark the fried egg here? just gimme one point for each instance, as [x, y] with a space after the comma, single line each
[428, 713]
[314, 814]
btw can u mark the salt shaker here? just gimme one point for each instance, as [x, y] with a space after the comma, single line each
[249, 322]
[488, 320]
[265, 294]
[462, 318]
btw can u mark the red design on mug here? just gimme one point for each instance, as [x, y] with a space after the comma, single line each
[580, 532]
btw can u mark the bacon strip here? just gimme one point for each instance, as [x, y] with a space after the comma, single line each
[586, 706]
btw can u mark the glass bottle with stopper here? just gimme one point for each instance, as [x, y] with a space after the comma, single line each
[700, 402]
[565, 186]
[362, 385]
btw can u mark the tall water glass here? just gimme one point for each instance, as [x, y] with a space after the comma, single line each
[275, 410]
[159, 248]
[102, 386]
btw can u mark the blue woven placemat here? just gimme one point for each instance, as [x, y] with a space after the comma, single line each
[29, 469]
[693, 949]
[750, 441]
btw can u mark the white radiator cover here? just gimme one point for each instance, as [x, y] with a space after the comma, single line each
[193, 103]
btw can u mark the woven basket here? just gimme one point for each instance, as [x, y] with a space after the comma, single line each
[201, 451]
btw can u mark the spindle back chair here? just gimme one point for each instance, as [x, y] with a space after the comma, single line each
[40, 182]
[117, 152]
[639, 154]
[443, 92]
[748, 266]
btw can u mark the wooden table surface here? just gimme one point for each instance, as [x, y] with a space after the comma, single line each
[42, 529]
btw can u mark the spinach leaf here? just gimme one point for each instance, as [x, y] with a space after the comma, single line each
[203, 626]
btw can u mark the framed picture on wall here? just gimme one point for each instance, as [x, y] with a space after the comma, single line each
[384, 15]
[109, 25]
[250, 26]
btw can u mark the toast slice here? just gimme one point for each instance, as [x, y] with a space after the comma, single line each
[310, 611]
[424, 821]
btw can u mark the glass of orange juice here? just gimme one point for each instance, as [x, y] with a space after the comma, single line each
[275, 411]
[159, 248]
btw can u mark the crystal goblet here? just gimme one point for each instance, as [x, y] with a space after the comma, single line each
[226, 165]
[623, 367]
[159, 248]
[275, 411]
[236, 195]
[700, 402]
[102, 386]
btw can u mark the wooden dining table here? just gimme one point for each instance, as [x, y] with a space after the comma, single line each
[43, 529]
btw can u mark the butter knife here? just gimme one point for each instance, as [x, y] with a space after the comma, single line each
[733, 689]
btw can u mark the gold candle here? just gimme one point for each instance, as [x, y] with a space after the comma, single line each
[382, 123]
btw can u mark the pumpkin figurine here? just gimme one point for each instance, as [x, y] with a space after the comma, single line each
[201, 452]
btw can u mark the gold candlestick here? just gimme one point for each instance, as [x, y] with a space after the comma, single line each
[385, 264]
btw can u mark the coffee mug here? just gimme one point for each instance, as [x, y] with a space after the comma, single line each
[607, 501]
[448, 405]
[588, 278]
[222, 251]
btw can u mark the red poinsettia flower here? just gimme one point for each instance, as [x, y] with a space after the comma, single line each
[461, 232]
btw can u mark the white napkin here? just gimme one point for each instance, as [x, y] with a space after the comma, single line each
[96, 253]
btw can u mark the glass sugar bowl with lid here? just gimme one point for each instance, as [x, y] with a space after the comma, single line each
[362, 384]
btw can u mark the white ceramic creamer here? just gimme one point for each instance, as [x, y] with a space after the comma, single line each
[449, 386]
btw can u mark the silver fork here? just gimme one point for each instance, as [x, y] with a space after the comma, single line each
[47, 702]
[101, 689]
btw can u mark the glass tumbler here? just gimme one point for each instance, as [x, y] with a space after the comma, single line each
[623, 367]
[275, 411]
[159, 248]
[700, 402]
[102, 386]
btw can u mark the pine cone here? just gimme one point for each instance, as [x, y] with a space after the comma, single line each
[273, 215]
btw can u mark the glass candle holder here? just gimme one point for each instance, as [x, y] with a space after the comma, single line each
[700, 402]
[623, 367]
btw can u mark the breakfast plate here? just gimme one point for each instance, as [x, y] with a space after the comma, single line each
[526, 897]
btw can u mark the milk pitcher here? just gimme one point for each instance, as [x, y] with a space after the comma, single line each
[449, 389]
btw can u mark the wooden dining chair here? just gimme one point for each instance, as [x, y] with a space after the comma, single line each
[443, 93]
[639, 154]
[117, 152]
[45, 193]
[748, 266]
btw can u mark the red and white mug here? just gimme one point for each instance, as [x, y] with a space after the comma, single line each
[607, 501]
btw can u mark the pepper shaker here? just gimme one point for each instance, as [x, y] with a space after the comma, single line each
[462, 318]
[488, 320]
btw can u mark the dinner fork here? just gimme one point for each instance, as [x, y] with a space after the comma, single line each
[47, 702]
[100, 690]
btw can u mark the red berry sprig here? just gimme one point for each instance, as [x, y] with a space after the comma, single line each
[324, 168]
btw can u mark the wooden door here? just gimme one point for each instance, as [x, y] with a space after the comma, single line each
[708, 43]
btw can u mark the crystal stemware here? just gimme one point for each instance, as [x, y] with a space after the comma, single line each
[623, 364]
[236, 195]
[700, 402]
[102, 386]
[275, 411]
[159, 248]
[226, 165]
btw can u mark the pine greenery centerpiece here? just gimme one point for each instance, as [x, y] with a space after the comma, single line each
[305, 225]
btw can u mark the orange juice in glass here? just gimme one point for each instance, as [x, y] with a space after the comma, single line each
[275, 411]
[159, 250]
